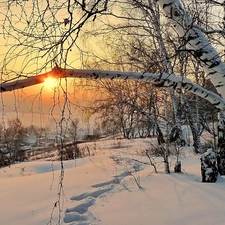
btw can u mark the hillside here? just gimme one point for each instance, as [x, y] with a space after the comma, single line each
[103, 189]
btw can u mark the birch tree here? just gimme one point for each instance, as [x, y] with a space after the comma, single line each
[54, 38]
[204, 52]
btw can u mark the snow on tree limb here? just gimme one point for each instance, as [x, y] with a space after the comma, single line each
[196, 41]
[160, 80]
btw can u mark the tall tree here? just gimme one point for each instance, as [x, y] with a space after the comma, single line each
[55, 43]
[13, 138]
[203, 51]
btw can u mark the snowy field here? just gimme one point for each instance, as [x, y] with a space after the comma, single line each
[102, 189]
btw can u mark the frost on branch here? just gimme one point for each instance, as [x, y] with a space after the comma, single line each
[208, 167]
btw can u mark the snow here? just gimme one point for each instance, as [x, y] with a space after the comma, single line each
[102, 190]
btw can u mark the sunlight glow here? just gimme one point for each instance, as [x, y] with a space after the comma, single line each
[50, 82]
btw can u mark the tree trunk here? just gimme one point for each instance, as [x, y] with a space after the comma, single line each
[221, 145]
[167, 166]
[196, 136]
[193, 125]
[196, 42]
[166, 156]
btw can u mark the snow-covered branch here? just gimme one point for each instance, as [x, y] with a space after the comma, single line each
[161, 80]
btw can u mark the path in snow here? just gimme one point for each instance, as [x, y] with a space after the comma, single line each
[80, 214]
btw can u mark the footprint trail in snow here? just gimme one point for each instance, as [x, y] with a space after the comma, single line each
[80, 215]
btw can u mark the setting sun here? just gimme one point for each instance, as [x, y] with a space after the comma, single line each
[50, 82]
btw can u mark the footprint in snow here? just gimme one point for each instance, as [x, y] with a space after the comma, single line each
[80, 215]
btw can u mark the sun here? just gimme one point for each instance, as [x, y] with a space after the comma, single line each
[50, 82]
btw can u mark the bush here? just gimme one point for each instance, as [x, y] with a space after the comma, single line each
[70, 152]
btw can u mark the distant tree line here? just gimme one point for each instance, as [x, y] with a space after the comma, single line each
[13, 136]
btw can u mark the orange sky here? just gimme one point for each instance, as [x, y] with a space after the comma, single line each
[36, 99]
[40, 105]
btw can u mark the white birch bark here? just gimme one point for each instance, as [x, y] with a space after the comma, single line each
[196, 41]
[161, 80]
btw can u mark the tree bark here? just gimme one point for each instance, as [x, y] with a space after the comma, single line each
[160, 80]
[221, 145]
[196, 42]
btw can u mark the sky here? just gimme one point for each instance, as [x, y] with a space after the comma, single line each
[35, 99]
[39, 102]
[40, 105]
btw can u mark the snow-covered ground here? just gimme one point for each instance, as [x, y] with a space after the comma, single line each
[102, 189]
